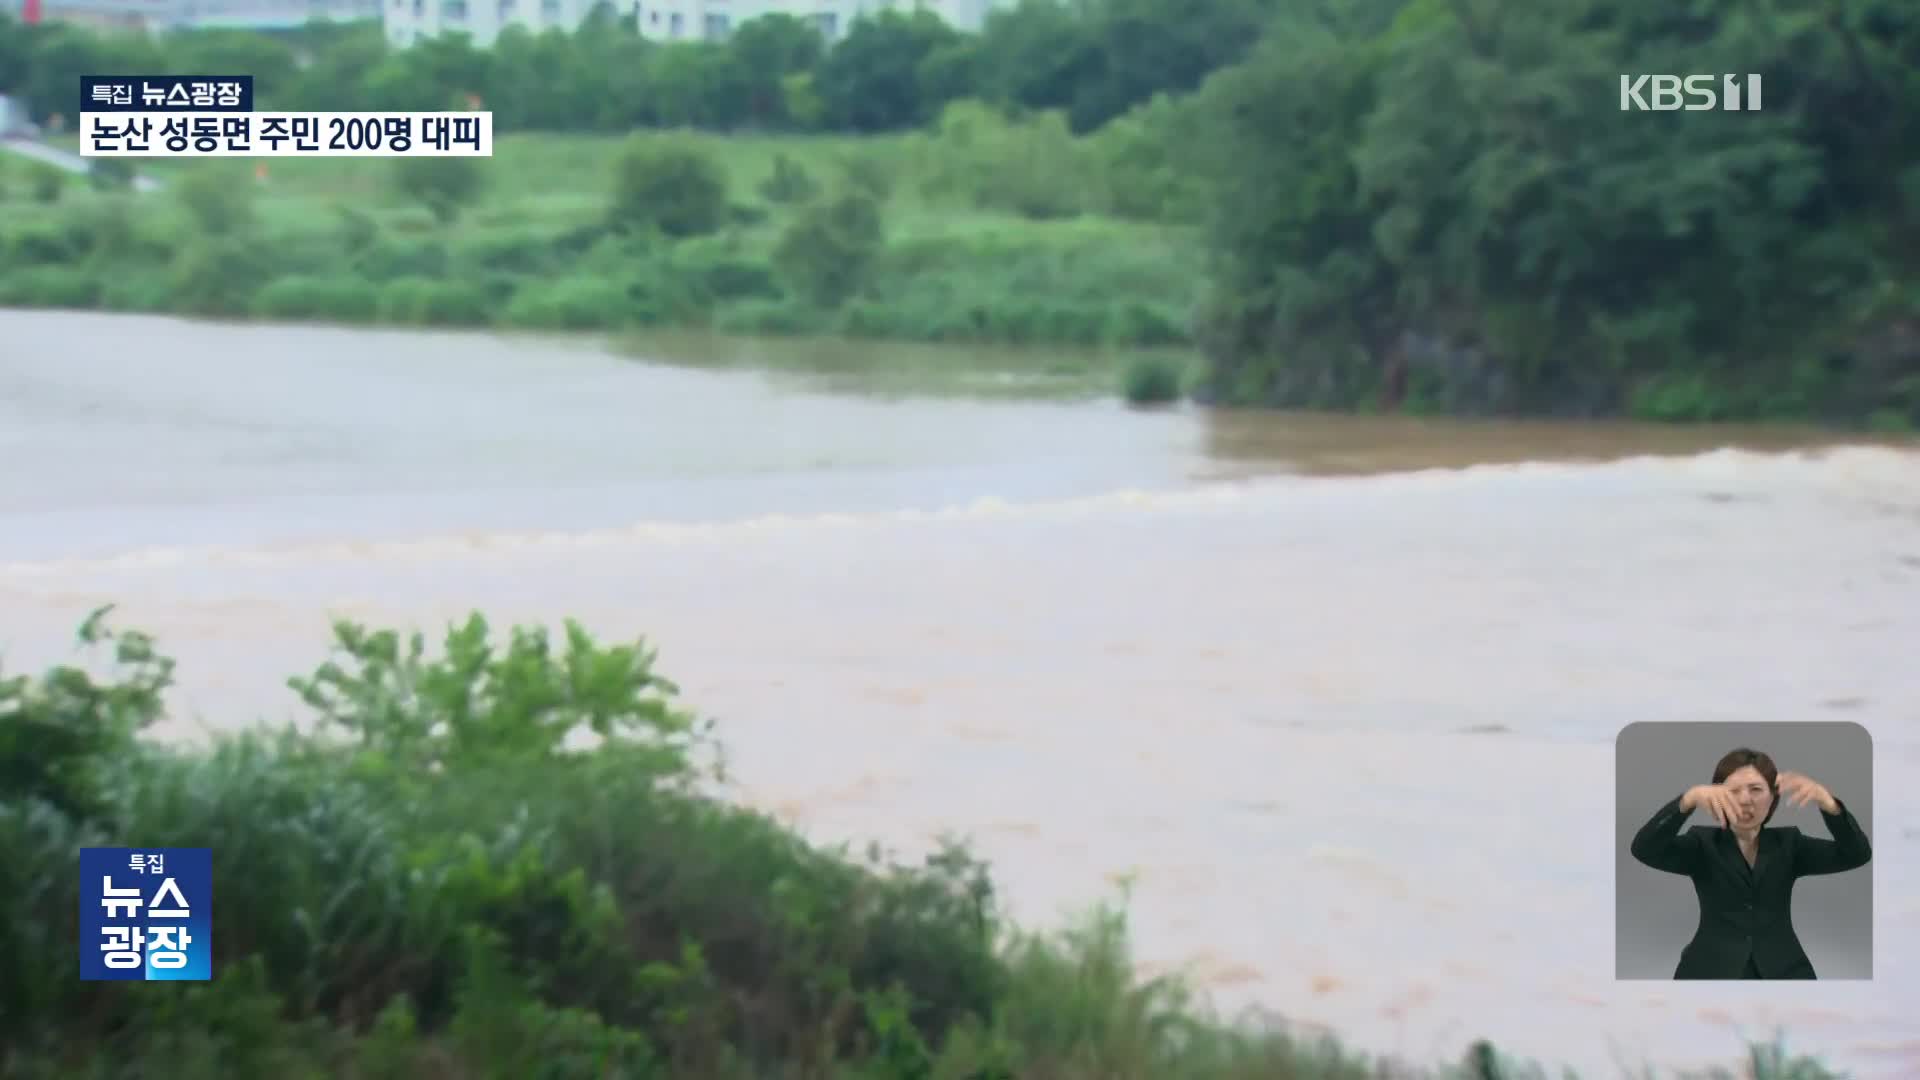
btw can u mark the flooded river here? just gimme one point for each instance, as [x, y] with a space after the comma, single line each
[1339, 695]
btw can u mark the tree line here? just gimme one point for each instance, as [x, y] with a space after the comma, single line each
[1445, 201]
[1436, 205]
[1092, 58]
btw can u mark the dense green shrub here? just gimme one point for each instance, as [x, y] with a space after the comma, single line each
[444, 185]
[340, 299]
[219, 275]
[1152, 381]
[426, 301]
[51, 287]
[788, 182]
[576, 303]
[827, 254]
[218, 201]
[668, 185]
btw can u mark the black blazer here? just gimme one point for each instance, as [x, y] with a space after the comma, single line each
[1746, 913]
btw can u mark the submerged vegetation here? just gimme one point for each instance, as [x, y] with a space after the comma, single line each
[508, 859]
[1416, 205]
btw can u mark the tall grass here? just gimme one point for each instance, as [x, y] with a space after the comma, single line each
[505, 858]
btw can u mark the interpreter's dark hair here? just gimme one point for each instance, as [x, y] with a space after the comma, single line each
[1762, 764]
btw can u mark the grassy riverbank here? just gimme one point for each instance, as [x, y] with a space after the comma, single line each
[427, 884]
[1374, 205]
[548, 239]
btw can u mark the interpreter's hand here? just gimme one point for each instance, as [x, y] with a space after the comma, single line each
[1716, 799]
[1799, 789]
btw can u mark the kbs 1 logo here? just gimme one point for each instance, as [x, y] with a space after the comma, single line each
[1694, 93]
[146, 914]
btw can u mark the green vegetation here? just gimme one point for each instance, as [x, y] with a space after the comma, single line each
[563, 232]
[499, 860]
[1472, 222]
[1421, 205]
[1152, 380]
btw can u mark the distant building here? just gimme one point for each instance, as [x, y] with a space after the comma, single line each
[162, 15]
[14, 123]
[408, 21]
[265, 14]
[133, 14]
[713, 20]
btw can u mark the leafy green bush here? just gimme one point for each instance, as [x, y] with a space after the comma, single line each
[425, 301]
[51, 287]
[526, 250]
[214, 200]
[45, 183]
[110, 174]
[720, 271]
[574, 303]
[1032, 167]
[1152, 381]
[670, 186]
[828, 252]
[58, 730]
[789, 182]
[390, 258]
[770, 318]
[219, 275]
[313, 296]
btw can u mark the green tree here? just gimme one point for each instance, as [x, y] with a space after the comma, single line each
[871, 80]
[444, 185]
[235, 52]
[17, 44]
[433, 75]
[1037, 54]
[699, 84]
[339, 68]
[1442, 202]
[1145, 47]
[769, 49]
[60, 55]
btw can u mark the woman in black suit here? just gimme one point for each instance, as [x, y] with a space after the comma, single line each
[1743, 872]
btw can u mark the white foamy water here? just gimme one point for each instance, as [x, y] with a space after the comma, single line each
[1265, 701]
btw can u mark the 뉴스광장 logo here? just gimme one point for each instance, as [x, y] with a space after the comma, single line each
[1694, 93]
[146, 914]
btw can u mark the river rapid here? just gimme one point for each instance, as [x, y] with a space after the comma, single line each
[1338, 696]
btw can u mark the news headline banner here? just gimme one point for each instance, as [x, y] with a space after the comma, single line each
[320, 134]
[212, 116]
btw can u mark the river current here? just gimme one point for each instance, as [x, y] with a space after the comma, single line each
[1336, 696]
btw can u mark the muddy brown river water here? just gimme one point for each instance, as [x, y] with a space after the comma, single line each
[1308, 682]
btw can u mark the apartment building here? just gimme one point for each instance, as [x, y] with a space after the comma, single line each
[267, 14]
[161, 15]
[408, 21]
[713, 20]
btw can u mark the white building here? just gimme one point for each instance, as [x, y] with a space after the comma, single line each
[408, 21]
[713, 20]
[13, 120]
[163, 15]
[265, 14]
